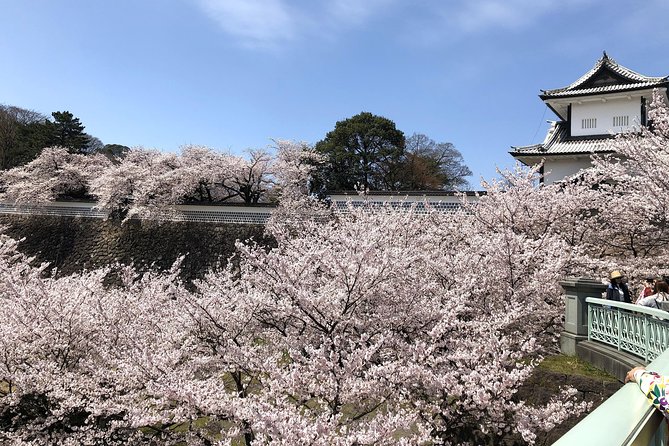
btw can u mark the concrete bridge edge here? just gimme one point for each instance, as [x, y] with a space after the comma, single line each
[607, 358]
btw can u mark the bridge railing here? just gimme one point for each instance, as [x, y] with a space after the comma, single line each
[642, 331]
[627, 418]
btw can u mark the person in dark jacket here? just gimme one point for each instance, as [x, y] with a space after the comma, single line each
[617, 289]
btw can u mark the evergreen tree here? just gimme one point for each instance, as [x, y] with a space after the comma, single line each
[67, 131]
[362, 151]
[369, 152]
[114, 152]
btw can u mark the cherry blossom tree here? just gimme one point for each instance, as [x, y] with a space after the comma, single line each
[629, 214]
[48, 341]
[204, 172]
[251, 178]
[363, 329]
[293, 169]
[374, 332]
[372, 326]
[132, 186]
[144, 183]
[54, 174]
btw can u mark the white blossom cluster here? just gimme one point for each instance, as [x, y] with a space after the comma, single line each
[363, 328]
[142, 182]
[368, 328]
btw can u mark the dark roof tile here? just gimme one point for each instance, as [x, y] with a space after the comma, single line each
[630, 80]
[558, 142]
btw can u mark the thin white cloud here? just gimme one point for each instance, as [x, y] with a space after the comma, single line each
[440, 22]
[255, 23]
[481, 15]
[275, 23]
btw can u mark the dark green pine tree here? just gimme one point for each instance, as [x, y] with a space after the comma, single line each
[67, 131]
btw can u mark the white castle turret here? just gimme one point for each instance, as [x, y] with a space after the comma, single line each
[606, 100]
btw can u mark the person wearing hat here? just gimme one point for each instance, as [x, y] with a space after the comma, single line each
[617, 290]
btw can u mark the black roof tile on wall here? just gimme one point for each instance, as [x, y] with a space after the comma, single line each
[626, 80]
[558, 142]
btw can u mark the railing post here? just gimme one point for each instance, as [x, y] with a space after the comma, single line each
[590, 311]
[577, 289]
[646, 336]
[620, 327]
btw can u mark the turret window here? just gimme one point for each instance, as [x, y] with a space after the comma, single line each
[589, 123]
[621, 121]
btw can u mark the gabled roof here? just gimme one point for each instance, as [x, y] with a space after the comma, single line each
[557, 142]
[605, 77]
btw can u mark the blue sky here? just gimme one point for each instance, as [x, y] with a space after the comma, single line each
[235, 74]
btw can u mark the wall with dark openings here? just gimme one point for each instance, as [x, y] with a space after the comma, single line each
[72, 243]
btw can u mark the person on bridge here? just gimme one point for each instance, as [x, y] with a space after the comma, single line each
[653, 385]
[647, 289]
[617, 289]
[661, 295]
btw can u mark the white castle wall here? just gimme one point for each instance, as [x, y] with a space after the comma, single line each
[604, 112]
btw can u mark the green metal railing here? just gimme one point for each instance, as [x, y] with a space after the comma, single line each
[628, 417]
[638, 330]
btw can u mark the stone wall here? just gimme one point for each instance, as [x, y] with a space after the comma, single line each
[72, 243]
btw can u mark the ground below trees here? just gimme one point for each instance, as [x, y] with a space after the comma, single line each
[558, 371]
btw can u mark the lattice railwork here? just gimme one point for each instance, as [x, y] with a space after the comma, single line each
[641, 331]
[603, 325]
[221, 214]
[658, 339]
[633, 333]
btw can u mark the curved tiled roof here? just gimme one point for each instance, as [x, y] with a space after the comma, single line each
[558, 142]
[629, 80]
[604, 89]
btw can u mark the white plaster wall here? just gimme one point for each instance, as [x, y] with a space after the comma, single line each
[557, 170]
[604, 112]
